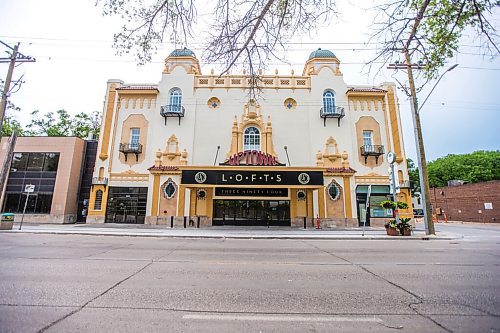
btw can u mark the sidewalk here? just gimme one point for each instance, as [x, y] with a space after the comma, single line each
[230, 232]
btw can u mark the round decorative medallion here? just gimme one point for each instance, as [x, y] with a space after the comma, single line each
[304, 178]
[201, 193]
[301, 195]
[200, 177]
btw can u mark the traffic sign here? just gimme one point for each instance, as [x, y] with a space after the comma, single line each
[29, 188]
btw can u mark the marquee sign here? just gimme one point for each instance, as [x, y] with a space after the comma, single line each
[250, 192]
[235, 177]
[253, 157]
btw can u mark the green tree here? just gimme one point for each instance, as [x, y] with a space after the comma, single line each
[10, 125]
[476, 167]
[62, 123]
[436, 28]
[413, 174]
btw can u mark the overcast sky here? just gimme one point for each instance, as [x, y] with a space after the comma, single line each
[71, 42]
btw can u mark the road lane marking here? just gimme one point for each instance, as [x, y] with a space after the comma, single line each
[281, 318]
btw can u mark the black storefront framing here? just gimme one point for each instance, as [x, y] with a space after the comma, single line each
[252, 197]
[126, 205]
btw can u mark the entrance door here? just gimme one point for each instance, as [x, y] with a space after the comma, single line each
[252, 212]
[126, 205]
[363, 214]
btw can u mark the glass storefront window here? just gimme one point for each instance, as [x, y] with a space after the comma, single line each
[376, 210]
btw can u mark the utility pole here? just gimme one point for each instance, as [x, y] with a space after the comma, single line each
[14, 58]
[421, 161]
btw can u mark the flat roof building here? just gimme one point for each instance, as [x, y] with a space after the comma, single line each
[55, 166]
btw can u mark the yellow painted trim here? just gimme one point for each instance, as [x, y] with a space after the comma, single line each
[156, 195]
[193, 203]
[310, 207]
[293, 202]
[210, 202]
[321, 202]
[181, 199]
[146, 93]
[393, 118]
[102, 211]
[107, 118]
[347, 197]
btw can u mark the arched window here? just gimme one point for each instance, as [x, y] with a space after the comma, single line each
[329, 102]
[175, 100]
[251, 139]
[98, 200]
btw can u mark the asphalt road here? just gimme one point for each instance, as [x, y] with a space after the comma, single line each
[78, 283]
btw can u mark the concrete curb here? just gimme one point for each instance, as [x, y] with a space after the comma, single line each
[232, 236]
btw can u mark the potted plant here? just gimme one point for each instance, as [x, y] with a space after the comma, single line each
[388, 204]
[391, 228]
[402, 205]
[405, 226]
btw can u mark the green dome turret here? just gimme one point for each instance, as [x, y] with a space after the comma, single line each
[184, 52]
[319, 53]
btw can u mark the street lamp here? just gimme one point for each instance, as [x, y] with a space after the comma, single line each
[448, 70]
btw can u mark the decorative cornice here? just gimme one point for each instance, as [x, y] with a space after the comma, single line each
[341, 170]
[163, 168]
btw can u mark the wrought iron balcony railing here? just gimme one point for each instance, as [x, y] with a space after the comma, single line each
[372, 150]
[172, 111]
[131, 148]
[404, 184]
[99, 181]
[332, 112]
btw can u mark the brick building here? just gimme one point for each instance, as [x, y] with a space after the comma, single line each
[478, 202]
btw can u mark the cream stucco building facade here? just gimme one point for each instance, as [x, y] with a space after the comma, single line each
[195, 145]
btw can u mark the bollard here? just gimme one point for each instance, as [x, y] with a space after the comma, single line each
[171, 221]
[305, 222]
[185, 217]
[198, 223]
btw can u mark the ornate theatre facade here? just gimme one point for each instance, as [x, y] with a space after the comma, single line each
[196, 147]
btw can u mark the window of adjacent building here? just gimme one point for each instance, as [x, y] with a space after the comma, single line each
[39, 169]
[35, 162]
[251, 139]
[135, 134]
[329, 102]
[98, 200]
[175, 100]
[51, 161]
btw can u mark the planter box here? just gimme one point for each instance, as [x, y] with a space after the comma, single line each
[392, 231]
[406, 232]
[6, 225]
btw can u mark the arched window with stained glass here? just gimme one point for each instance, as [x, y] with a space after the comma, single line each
[328, 102]
[175, 100]
[251, 138]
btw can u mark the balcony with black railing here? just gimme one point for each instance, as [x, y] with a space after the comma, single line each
[99, 181]
[404, 184]
[332, 112]
[172, 111]
[131, 148]
[372, 150]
